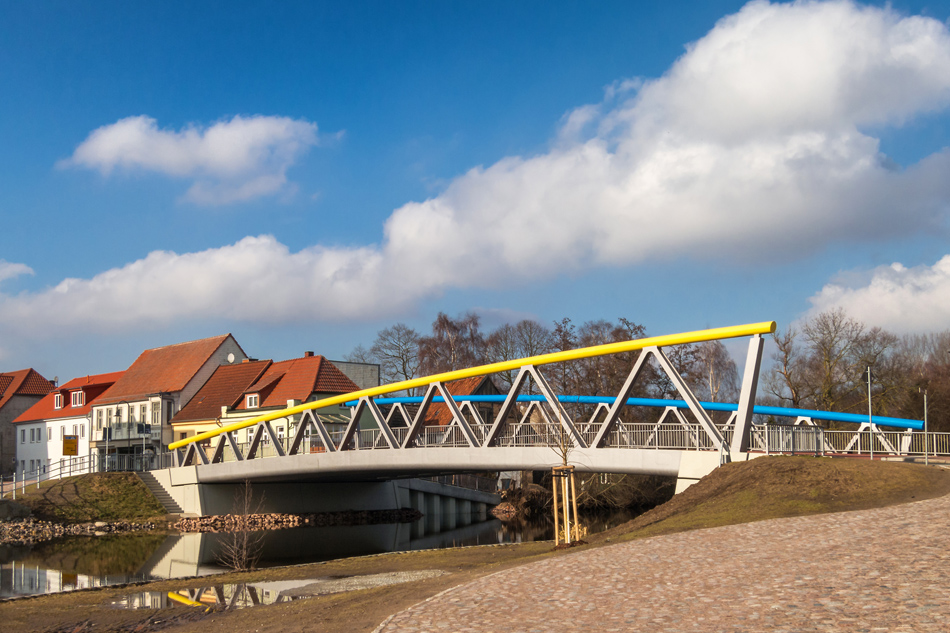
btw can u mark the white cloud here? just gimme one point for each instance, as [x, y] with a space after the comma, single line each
[228, 162]
[10, 270]
[895, 297]
[750, 146]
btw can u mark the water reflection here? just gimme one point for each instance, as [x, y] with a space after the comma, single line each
[239, 596]
[82, 562]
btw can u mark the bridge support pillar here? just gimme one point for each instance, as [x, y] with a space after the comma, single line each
[465, 511]
[481, 509]
[417, 501]
[433, 511]
[449, 513]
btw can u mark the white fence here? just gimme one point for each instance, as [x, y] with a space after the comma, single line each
[71, 466]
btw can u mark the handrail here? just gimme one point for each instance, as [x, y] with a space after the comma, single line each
[699, 336]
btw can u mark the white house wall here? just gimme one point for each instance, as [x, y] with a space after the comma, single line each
[48, 449]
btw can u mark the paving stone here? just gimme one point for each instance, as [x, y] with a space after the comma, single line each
[886, 569]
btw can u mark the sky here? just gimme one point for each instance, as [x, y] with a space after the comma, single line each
[305, 174]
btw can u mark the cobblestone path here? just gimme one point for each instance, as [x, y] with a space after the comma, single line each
[886, 569]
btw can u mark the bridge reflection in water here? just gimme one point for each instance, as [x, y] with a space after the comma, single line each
[38, 570]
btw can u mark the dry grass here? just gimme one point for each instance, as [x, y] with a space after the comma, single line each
[93, 497]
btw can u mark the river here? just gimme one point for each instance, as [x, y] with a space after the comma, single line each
[68, 564]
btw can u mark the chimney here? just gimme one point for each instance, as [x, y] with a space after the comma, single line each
[307, 354]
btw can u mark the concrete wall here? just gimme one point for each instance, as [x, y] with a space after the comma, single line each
[365, 375]
[297, 498]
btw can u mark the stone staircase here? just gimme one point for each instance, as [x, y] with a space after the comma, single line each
[171, 506]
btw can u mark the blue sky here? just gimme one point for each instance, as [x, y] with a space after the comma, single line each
[305, 174]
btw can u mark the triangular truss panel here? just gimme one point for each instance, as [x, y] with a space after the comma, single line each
[664, 364]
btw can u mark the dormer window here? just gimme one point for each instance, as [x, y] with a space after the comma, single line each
[79, 398]
[58, 401]
[252, 400]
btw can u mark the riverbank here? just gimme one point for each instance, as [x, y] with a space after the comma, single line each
[761, 489]
[29, 531]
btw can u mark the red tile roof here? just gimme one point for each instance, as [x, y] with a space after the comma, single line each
[298, 379]
[225, 388]
[163, 369]
[25, 382]
[439, 414]
[93, 386]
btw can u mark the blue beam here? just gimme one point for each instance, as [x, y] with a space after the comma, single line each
[784, 412]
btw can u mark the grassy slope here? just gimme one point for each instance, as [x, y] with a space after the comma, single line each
[95, 497]
[774, 487]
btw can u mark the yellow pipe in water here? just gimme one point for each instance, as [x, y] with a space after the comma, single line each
[177, 597]
[735, 331]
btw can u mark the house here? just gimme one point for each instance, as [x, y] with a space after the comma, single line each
[134, 415]
[19, 390]
[65, 411]
[219, 395]
[254, 388]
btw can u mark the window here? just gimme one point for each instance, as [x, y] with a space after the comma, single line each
[32, 467]
[79, 398]
[182, 435]
[32, 439]
[62, 432]
[58, 401]
[75, 429]
[98, 419]
[143, 413]
[49, 433]
[22, 436]
[131, 414]
[118, 415]
[252, 400]
[157, 413]
[108, 417]
[82, 430]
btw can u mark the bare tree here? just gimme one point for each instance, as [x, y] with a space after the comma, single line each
[454, 344]
[242, 546]
[720, 377]
[786, 380]
[832, 336]
[360, 354]
[396, 349]
[509, 342]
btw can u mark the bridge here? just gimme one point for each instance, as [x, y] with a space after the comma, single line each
[386, 439]
[369, 463]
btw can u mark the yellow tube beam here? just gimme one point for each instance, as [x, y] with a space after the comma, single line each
[177, 597]
[735, 331]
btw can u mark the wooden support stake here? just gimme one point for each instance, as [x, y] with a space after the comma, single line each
[557, 532]
[574, 496]
[567, 510]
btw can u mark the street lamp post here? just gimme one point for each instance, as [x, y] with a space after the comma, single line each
[107, 431]
[926, 443]
[870, 420]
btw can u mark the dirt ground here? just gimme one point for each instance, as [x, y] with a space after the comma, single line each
[749, 491]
